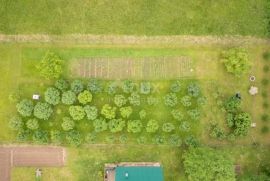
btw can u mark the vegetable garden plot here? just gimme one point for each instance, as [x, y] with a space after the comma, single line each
[148, 68]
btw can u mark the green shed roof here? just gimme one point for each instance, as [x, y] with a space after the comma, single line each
[138, 174]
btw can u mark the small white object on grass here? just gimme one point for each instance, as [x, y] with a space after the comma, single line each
[253, 90]
[253, 125]
[36, 96]
[191, 70]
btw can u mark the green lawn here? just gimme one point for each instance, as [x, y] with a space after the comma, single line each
[135, 17]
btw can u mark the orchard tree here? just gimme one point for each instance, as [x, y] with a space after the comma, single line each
[77, 86]
[16, 123]
[74, 138]
[193, 89]
[120, 100]
[170, 100]
[100, 125]
[168, 127]
[177, 114]
[91, 112]
[145, 88]
[25, 107]
[208, 164]
[108, 111]
[152, 126]
[32, 124]
[116, 125]
[128, 86]
[94, 86]
[126, 111]
[134, 99]
[194, 114]
[236, 61]
[184, 126]
[76, 112]
[232, 104]
[242, 124]
[50, 67]
[85, 97]
[111, 88]
[67, 124]
[52, 96]
[40, 137]
[68, 97]
[43, 110]
[134, 126]
[62, 85]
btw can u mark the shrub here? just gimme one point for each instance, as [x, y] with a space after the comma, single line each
[85, 97]
[265, 117]
[25, 107]
[40, 137]
[159, 140]
[108, 111]
[194, 114]
[142, 114]
[50, 66]
[193, 90]
[176, 86]
[120, 100]
[168, 127]
[265, 130]
[67, 124]
[152, 126]
[76, 112]
[242, 124]
[32, 124]
[126, 111]
[43, 110]
[177, 114]
[74, 138]
[77, 86]
[134, 126]
[191, 141]
[186, 101]
[16, 123]
[145, 88]
[232, 104]
[128, 86]
[94, 86]
[100, 125]
[23, 135]
[116, 125]
[56, 136]
[91, 137]
[217, 132]
[266, 68]
[123, 139]
[170, 99]
[68, 97]
[52, 96]
[265, 82]
[134, 99]
[91, 112]
[61, 84]
[111, 88]
[230, 120]
[184, 126]
[236, 61]
[152, 101]
[175, 140]
[210, 164]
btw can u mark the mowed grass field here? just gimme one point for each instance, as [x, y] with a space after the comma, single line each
[135, 17]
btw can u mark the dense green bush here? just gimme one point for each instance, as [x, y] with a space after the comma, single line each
[145, 88]
[170, 99]
[191, 141]
[236, 61]
[242, 124]
[168, 127]
[186, 101]
[232, 104]
[111, 88]
[152, 126]
[177, 114]
[52, 96]
[32, 124]
[159, 140]
[77, 86]
[217, 132]
[85, 97]
[100, 125]
[94, 86]
[50, 67]
[108, 111]
[230, 120]
[16, 123]
[120, 100]
[116, 125]
[61, 84]
[76, 112]
[68, 97]
[25, 107]
[67, 124]
[126, 111]
[134, 99]
[43, 110]
[134, 126]
[41, 137]
[74, 138]
[193, 90]
[176, 86]
[91, 112]
[208, 164]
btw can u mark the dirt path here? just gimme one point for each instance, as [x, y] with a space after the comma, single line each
[29, 156]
